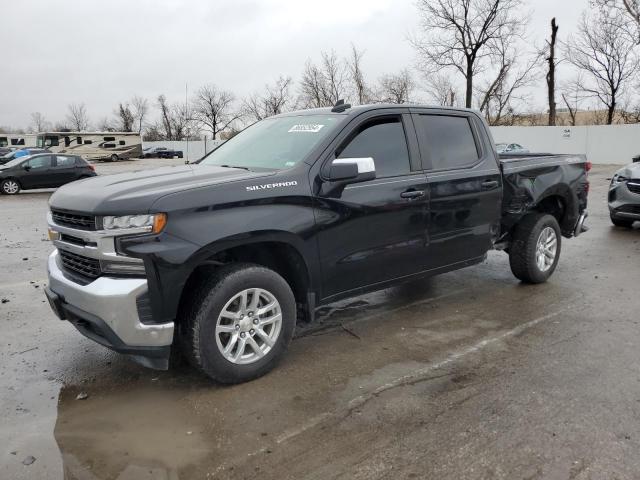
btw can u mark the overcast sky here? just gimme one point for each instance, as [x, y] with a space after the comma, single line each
[101, 53]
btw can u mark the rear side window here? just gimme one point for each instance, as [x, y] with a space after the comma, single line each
[449, 141]
[64, 161]
[384, 141]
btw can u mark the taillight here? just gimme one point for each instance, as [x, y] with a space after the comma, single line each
[587, 166]
[92, 167]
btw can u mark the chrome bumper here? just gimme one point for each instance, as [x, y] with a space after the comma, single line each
[113, 300]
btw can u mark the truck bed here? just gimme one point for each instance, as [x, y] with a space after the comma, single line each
[533, 178]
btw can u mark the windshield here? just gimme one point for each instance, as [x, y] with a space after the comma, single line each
[16, 161]
[274, 143]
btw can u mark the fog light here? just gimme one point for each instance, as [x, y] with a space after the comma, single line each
[53, 235]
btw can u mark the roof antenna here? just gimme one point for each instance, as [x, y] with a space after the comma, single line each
[340, 106]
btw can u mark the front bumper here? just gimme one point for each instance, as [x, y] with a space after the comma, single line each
[624, 203]
[106, 311]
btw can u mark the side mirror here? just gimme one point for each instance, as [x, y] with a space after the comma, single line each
[27, 168]
[352, 170]
[186, 162]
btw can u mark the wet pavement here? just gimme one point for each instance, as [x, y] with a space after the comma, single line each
[466, 375]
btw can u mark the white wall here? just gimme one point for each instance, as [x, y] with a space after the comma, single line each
[192, 150]
[610, 144]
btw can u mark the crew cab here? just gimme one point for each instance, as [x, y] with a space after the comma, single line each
[220, 259]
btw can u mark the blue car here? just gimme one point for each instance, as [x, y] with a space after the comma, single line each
[20, 153]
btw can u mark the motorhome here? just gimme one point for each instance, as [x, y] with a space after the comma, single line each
[17, 140]
[112, 146]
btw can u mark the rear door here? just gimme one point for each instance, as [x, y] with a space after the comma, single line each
[465, 185]
[374, 231]
[64, 170]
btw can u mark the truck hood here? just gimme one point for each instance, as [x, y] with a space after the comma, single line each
[630, 171]
[135, 192]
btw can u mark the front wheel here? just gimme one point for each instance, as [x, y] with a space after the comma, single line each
[10, 187]
[239, 322]
[535, 249]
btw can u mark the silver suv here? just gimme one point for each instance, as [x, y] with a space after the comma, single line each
[624, 196]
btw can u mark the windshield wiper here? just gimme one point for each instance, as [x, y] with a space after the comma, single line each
[235, 166]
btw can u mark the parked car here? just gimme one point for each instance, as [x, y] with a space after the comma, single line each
[636, 159]
[510, 148]
[4, 151]
[169, 153]
[23, 152]
[624, 196]
[151, 152]
[160, 152]
[224, 256]
[42, 171]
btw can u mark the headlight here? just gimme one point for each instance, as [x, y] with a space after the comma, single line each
[618, 179]
[154, 223]
[131, 267]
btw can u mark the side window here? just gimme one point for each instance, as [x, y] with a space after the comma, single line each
[51, 141]
[449, 140]
[67, 141]
[384, 141]
[122, 142]
[108, 145]
[3, 142]
[64, 161]
[88, 142]
[17, 141]
[39, 162]
[109, 139]
[79, 140]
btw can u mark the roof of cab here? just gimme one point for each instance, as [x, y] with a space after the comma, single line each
[357, 109]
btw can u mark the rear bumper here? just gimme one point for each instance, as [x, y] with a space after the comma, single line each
[106, 311]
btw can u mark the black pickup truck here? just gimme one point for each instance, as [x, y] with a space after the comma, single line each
[223, 257]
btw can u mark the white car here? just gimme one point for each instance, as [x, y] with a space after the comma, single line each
[510, 148]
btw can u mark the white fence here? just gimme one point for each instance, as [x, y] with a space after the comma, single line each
[192, 150]
[609, 144]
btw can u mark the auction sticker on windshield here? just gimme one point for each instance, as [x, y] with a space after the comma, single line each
[308, 128]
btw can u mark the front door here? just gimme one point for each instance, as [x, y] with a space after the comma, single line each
[465, 186]
[37, 172]
[374, 231]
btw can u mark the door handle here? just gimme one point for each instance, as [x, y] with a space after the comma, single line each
[490, 184]
[410, 194]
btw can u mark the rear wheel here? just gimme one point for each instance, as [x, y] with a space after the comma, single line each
[535, 249]
[114, 158]
[238, 323]
[10, 186]
[621, 222]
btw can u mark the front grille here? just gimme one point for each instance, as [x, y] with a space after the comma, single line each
[634, 186]
[85, 266]
[74, 220]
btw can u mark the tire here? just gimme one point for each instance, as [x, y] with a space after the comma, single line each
[10, 186]
[621, 222]
[200, 320]
[532, 256]
[114, 158]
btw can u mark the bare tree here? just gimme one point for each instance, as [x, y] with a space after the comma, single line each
[396, 88]
[442, 90]
[274, 100]
[604, 52]
[165, 118]
[125, 118]
[630, 7]
[362, 92]
[459, 34]
[323, 85]
[572, 97]
[105, 125]
[38, 122]
[140, 109]
[498, 94]
[214, 109]
[77, 116]
[551, 72]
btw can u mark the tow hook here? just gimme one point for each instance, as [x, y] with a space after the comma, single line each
[580, 226]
